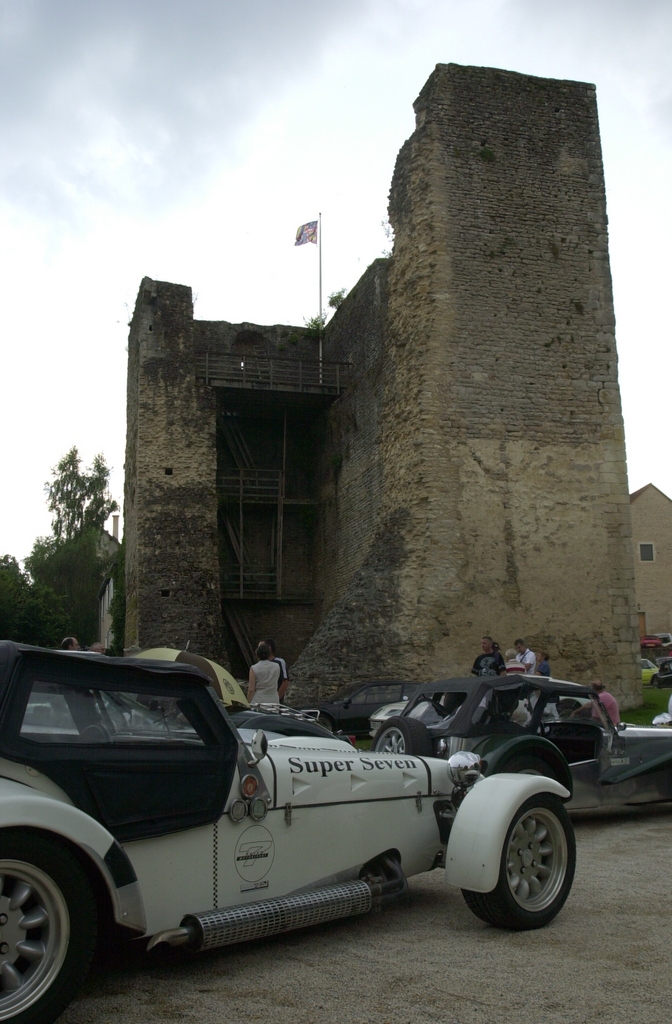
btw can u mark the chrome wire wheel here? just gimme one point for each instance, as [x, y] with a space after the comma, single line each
[536, 859]
[34, 935]
[392, 741]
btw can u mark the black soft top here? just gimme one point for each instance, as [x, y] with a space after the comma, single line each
[508, 682]
[11, 653]
[478, 689]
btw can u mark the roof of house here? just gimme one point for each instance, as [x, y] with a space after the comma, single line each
[636, 494]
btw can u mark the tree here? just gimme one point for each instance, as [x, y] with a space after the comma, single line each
[80, 499]
[74, 569]
[30, 613]
[118, 605]
[70, 563]
[335, 300]
[315, 326]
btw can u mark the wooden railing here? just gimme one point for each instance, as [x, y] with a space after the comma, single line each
[250, 485]
[262, 581]
[271, 374]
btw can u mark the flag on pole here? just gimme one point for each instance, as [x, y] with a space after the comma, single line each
[307, 233]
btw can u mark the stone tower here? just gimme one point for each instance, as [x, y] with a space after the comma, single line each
[495, 468]
[468, 478]
[170, 500]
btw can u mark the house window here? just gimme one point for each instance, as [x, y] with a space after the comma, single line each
[646, 552]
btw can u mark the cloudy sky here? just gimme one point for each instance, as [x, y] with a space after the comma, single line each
[187, 140]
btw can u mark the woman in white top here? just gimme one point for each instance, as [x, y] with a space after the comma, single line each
[264, 678]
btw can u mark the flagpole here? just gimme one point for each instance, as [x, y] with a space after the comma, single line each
[319, 243]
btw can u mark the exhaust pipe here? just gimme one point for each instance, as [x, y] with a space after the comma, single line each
[225, 927]
[384, 880]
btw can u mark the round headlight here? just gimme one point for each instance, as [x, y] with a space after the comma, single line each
[464, 767]
[248, 786]
[258, 808]
[238, 810]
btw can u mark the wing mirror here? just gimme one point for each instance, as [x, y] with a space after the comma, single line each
[464, 767]
[346, 703]
[258, 747]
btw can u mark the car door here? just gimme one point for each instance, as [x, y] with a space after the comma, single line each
[641, 770]
[144, 751]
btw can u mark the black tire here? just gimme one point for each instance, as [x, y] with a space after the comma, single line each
[35, 989]
[527, 764]
[325, 721]
[400, 735]
[655, 681]
[542, 828]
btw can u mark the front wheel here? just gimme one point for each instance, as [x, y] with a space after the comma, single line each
[403, 736]
[537, 868]
[47, 927]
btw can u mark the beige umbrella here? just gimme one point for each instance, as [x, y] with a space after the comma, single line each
[223, 682]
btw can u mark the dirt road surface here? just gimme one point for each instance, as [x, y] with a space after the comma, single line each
[427, 960]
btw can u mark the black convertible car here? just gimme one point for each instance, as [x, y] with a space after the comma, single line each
[539, 725]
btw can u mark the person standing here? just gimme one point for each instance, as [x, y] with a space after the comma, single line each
[284, 677]
[607, 700]
[512, 664]
[264, 678]
[543, 668]
[490, 662]
[525, 656]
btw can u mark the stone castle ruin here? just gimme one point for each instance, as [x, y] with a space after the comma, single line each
[455, 464]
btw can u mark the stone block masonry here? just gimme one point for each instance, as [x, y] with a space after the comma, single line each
[499, 449]
[472, 478]
[170, 504]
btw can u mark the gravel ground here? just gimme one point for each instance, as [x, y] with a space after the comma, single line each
[426, 958]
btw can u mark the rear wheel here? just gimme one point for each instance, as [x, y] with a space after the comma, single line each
[536, 871]
[655, 681]
[47, 927]
[403, 736]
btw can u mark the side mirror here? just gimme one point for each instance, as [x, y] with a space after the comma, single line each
[258, 747]
[346, 703]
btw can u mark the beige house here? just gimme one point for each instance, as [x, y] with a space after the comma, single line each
[652, 542]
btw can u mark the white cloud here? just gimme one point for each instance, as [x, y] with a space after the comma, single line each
[188, 141]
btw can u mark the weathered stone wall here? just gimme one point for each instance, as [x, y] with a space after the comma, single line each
[500, 450]
[350, 470]
[652, 524]
[170, 507]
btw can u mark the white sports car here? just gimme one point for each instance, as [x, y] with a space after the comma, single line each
[130, 804]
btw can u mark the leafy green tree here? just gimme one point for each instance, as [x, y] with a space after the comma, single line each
[335, 300]
[118, 606]
[74, 569]
[315, 326]
[79, 498]
[30, 613]
[70, 563]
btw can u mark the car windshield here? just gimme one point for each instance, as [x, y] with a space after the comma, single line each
[586, 709]
[432, 708]
[58, 713]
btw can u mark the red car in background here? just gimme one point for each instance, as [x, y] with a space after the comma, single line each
[648, 642]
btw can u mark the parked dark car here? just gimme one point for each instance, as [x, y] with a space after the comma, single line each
[663, 676]
[350, 709]
[538, 725]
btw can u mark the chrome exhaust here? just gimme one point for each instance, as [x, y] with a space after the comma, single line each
[225, 927]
